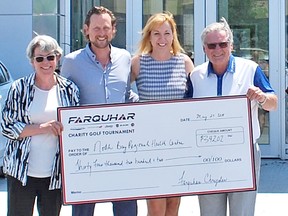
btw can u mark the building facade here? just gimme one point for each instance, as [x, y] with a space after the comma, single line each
[259, 26]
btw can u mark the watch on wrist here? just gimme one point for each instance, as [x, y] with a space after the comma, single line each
[263, 102]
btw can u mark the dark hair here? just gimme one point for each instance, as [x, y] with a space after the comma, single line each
[97, 10]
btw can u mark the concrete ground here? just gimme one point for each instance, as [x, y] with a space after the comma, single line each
[272, 198]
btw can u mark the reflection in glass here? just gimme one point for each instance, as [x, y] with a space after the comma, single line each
[46, 17]
[41, 23]
[79, 11]
[250, 25]
[45, 7]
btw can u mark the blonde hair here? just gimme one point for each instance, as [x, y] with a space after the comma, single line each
[153, 23]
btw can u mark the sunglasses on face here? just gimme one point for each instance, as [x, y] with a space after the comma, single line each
[41, 58]
[214, 45]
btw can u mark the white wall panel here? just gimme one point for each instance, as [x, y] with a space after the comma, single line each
[15, 7]
[16, 32]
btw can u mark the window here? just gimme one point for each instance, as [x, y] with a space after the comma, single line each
[79, 11]
[249, 21]
[46, 18]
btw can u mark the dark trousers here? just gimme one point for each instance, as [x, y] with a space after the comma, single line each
[120, 208]
[21, 199]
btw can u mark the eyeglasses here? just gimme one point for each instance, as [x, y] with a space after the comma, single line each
[41, 58]
[214, 45]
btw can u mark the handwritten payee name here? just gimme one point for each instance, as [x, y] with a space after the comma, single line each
[100, 147]
[132, 146]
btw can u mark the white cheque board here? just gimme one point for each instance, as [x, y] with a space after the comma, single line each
[156, 149]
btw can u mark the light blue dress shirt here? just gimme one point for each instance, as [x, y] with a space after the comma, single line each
[100, 85]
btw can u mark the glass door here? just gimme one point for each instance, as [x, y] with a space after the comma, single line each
[258, 34]
[249, 22]
[79, 10]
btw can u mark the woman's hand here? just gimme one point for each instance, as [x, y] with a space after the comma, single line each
[54, 127]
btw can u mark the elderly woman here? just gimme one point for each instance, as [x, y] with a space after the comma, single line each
[31, 158]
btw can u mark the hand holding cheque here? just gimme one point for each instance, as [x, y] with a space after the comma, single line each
[146, 150]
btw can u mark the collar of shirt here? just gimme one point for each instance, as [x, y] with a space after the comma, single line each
[230, 67]
[92, 56]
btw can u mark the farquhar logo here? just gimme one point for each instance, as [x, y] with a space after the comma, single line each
[100, 118]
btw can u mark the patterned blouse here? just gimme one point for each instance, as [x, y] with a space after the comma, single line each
[15, 116]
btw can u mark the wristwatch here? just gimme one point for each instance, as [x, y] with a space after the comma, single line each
[263, 102]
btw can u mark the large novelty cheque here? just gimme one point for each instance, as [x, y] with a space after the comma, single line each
[156, 149]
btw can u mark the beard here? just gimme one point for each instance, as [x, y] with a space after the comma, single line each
[101, 44]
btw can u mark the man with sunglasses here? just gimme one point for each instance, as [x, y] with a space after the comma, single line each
[224, 75]
[102, 73]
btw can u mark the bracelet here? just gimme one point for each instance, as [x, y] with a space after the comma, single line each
[262, 103]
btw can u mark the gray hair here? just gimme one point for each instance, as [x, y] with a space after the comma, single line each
[217, 26]
[45, 43]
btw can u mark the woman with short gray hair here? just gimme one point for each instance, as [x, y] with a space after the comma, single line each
[29, 121]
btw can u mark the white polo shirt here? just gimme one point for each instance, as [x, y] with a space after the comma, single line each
[239, 76]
